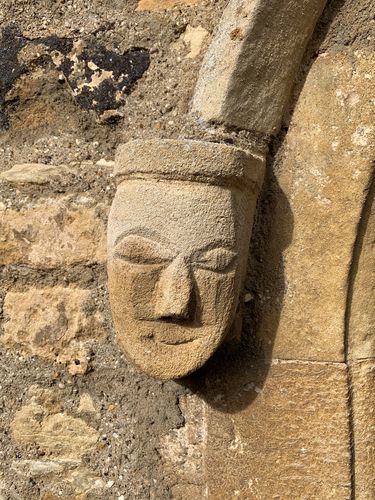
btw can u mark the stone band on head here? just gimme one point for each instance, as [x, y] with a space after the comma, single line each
[189, 160]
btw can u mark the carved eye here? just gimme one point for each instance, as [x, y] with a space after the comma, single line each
[218, 259]
[139, 250]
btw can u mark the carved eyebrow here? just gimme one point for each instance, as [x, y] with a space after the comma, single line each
[219, 243]
[143, 232]
[157, 238]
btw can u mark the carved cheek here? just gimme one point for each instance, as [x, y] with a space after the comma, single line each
[142, 283]
[216, 294]
[132, 287]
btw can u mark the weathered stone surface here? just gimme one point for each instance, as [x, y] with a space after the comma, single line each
[50, 234]
[60, 439]
[324, 173]
[84, 481]
[54, 323]
[163, 4]
[33, 173]
[56, 434]
[195, 38]
[59, 472]
[3, 490]
[285, 439]
[86, 404]
[99, 78]
[249, 68]
[178, 237]
[363, 390]
[362, 305]
[35, 468]
[182, 451]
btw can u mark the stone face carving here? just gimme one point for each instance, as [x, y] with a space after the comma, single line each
[178, 237]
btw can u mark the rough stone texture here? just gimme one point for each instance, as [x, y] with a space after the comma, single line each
[346, 23]
[99, 78]
[56, 435]
[46, 123]
[183, 449]
[54, 323]
[363, 380]
[195, 38]
[33, 173]
[134, 413]
[86, 404]
[323, 171]
[287, 438]
[163, 4]
[51, 234]
[195, 161]
[58, 473]
[60, 439]
[362, 302]
[178, 236]
[247, 74]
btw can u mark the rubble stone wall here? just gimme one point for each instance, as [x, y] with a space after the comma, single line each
[291, 413]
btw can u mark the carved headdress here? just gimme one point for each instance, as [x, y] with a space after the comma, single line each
[189, 160]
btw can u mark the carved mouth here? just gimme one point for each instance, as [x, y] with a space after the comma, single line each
[151, 337]
[176, 342]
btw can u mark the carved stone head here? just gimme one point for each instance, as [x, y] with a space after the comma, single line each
[178, 236]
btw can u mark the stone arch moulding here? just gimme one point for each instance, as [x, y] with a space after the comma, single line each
[248, 71]
[361, 348]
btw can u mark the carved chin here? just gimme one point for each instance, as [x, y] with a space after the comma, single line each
[165, 358]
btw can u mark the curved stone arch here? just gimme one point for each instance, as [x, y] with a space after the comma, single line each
[325, 169]
[249, 69]
[245, 82]
[361, 293]
[360, 348]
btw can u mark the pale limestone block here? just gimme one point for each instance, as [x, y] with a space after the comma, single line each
[178, 238]
[323, 172]
[362, 305]
[52, 323]
[363, 390]
[248, 71]
[55, 433]
[35, 468]
[182, 451]
[285, 439]
[84, 481]
[3, 490]
[163, 4]
[59, 472]
[33, 173]
[86, 404]
[194, 37]
[50, 234]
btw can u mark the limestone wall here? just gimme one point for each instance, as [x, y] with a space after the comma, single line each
[289, 414]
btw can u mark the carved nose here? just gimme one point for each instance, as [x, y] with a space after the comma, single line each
[174, 292]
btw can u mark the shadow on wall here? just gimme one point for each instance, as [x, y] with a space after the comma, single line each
[319, 39]
[232, 379]
[235, 375]
[360, 311]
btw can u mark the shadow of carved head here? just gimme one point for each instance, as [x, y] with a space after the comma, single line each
[178, 234]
